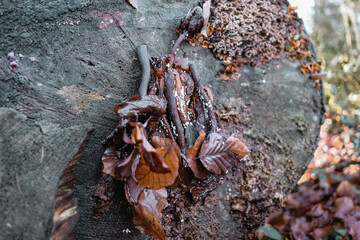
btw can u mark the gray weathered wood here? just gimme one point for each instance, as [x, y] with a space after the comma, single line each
[86, 63]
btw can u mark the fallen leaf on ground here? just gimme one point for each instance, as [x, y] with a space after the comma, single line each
[232, 71]
[191, 157]
[148, 215]
[110, 161]
[153, 180]
[218, 155]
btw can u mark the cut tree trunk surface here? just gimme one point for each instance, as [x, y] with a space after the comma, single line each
[78, 60]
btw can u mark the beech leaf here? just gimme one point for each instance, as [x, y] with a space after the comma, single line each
[147, 217]
[139, 140]
[217, 155]
[154, 200]
[136, 106]
[110, 161]
[206, 13]
[132, 191]
[147, 222]
[191, 154]
[153, 180]
[165, 143]
[131, 162]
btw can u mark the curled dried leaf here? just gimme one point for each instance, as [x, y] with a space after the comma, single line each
[148, 215]
[194, 163]
[291, 12]
[165, 143]
[151, 156]
[206, 14]
[124, 169]
[232, 71]
[153, 180]
[237, 146]
[310, 67]
[110, 162]
[218, 155]
[154, 200]
[139, 106]
[148, 205]
[132, 191]
[192, 23]
[346, 189]
[343, 207]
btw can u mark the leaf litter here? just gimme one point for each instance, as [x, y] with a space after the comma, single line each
[327, 207]
[167, 144]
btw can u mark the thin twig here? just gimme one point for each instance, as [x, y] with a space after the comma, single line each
[145, 67]
[177, 45]
[205, 99]
[172, 108]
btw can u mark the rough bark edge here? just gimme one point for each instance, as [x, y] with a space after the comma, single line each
[66, 206]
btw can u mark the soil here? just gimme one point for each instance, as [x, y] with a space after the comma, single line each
[85, 63]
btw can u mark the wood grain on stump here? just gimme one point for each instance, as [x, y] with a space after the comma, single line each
[78, 60]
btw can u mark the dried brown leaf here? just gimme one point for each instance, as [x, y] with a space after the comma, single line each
[147, 223]
[140, 142]
[346, 189]
[110, 162]
[237, 146]
[355, 230]
[343, 206]
[153, 180]
[124, 169]
[147, 217]
[148, 205]
[218, 155]
[154, 200]
[232, 71]
[132, 191]
[206, 14]
[191, 154]
[148, 105]
[165, 143]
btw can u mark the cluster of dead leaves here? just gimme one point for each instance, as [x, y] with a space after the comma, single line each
[314, 70]
[169, 131]
[310, 67]
[149, 163]
[325, 208]
[291, 12]
[299, 49]
[338, 142]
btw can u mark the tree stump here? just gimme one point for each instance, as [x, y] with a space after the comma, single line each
[78, 60]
